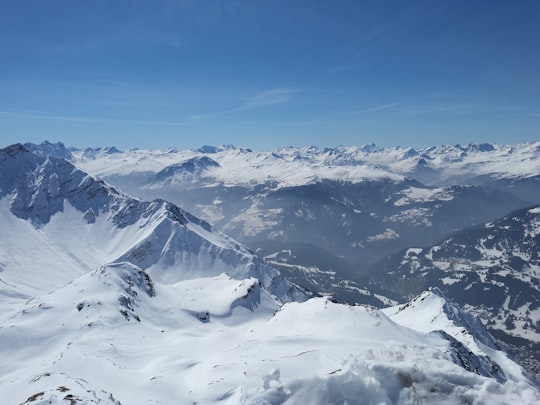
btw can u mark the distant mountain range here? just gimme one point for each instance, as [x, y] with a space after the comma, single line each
[340, 221]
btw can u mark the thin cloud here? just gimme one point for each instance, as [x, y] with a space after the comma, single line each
[148, 122]
[270, 97]
[260, 100]
[408, 108]
[373, 109]
[457, 109]
[36, 115]
[379, 108]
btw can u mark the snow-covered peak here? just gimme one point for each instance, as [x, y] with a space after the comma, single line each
[125, 339]
[173, 246]
[432, 311]
[293, 166]
[38, 185]
[109, 299]
[94, 153]
[234, 166]
[47, 148]
[491, 270]
[75, 211]
[472, 346]
[194, 166]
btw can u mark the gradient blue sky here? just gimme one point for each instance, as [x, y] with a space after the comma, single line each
[265, 74]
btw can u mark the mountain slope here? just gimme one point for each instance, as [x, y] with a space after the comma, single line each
[470, 341]
[492, 270]
[114, 336]
[78, 223]
[108, 299]
[354, 202]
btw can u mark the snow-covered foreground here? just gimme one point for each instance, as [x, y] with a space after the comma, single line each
[108, 299]
[113, 336]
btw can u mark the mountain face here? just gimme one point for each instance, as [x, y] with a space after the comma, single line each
[106, 226]
[352, 205]
[46, 148]
[326, 217]
[114, 336]
[492, 270]
[112, 300]
[508, 167]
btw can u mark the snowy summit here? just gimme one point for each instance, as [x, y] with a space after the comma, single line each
[113, 300]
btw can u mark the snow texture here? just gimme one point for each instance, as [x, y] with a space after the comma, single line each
[108, 299]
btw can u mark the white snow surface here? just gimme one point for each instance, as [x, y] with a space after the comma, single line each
[297, 166]
[236, 167]
[415, 194]
[219, 340]
[141, 303]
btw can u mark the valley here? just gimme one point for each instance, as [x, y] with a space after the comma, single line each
[96, 268]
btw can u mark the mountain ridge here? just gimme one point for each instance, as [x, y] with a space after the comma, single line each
[136, 301]
[491, 269]
[49, 186]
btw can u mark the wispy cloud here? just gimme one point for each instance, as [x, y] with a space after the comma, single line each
[270, 97]
[38, 115]
[379, 108]
[376, 108]
[260, 100]
[456, 109]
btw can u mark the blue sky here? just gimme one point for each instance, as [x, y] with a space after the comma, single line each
[265, 74]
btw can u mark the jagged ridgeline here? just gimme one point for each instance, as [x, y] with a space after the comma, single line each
[339, 220]
[110, 299]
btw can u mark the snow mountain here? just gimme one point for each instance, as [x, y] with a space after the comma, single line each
[432, 311]
[113, 300]
[113, 336]
[46, 148]
[81, 223]
[323, 216]
[510, 167]
[492, 270]
[326, 217]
